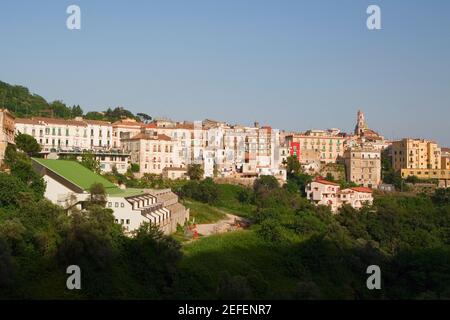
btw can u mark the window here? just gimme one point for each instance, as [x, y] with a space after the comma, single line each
[122, 205]
[128, 221]
[116, 204]
[110, 204]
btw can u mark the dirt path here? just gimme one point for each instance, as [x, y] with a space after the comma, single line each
[230, 223]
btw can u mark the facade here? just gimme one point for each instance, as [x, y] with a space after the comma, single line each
[326, 193]
[152, 152]
[56, 135]
[6, 132]
[124, 128]
[421, 158]
[323, 192]
[328, 144]
[363, 166]
[415, 154]
[68, 182]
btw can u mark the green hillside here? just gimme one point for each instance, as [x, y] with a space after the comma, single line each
[24, 104]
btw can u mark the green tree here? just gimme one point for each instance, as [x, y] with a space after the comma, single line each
[195, 171]
[27, 144]
[293, 167]
[20, 165]
[89, 160]
[76, 111]
[144, 117]
[134, 167]
[98, 194]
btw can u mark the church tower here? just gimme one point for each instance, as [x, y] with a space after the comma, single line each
[360, 123]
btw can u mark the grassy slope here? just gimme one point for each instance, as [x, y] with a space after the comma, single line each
[239, 253]
[228, 199]
[204, 213]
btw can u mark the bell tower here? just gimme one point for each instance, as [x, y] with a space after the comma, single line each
[360, 123]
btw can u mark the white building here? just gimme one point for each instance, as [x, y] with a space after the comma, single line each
[68, 183]
[326, 193]
[63, 135]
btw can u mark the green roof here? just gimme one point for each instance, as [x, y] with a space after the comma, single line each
[81, 176]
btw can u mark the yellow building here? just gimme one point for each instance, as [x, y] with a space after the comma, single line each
[6, 132]
[423, 159]
[329, 145]
[415, 154]
[443, 175]
[445, 159]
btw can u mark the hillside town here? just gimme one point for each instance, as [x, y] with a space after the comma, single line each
[237, 153]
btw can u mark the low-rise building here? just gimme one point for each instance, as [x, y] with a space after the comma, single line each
[68, 183]
[323, 192]
[6, 132]
[327, 193]
[174, 173]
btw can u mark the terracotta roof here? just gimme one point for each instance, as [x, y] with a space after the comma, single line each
[98, 122]
[187, 126]
[64, 122]
[323, 181]
[26, 121]
[362, 189]
[128, 123]
[146, 136]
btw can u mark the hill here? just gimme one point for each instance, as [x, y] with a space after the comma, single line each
[24, 104]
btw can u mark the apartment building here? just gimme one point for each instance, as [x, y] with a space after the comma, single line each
[329, 144]
[363, 166]
[327, 193]
[415, 154]
[124, 128]
[421, 158]
[62, 135]
[6, 132]
[323, 192]
[152, 152]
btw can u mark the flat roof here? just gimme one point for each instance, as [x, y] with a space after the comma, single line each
[81, 176]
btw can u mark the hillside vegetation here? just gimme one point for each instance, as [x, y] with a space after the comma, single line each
[24, 104]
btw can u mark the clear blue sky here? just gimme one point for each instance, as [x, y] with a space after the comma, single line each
[295, 65]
